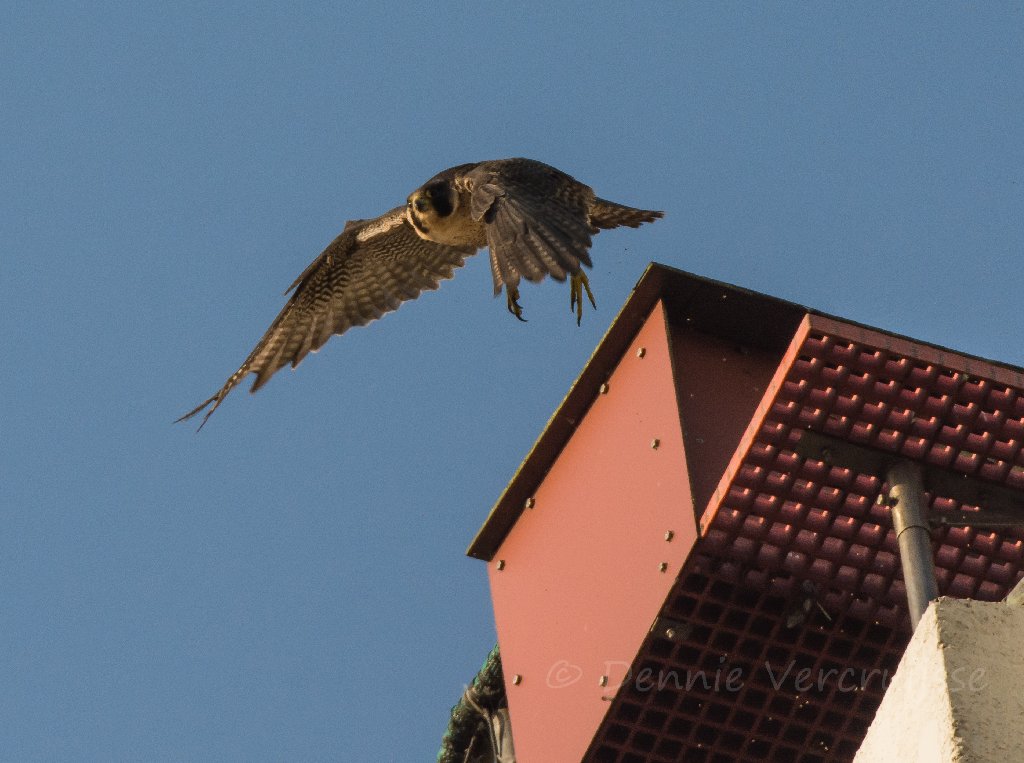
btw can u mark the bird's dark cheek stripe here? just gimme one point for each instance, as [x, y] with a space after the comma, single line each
[419, 225]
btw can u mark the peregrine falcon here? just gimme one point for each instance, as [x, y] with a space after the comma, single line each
[535, 220]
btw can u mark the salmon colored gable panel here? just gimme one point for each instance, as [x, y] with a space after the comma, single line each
[582, 574]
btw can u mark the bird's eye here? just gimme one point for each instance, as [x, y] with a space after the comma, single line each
[422, 205]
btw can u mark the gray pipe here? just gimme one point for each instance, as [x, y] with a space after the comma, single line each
[913, 536]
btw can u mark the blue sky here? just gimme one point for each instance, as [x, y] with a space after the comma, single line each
[291, 584]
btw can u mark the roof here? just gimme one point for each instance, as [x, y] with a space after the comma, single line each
[714, 307]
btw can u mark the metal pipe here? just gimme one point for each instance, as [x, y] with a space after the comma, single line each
[906, 491]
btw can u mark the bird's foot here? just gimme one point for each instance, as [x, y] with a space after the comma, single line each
[577, 284]
[512, 294]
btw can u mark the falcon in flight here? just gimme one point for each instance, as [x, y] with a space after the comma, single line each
[535, 220]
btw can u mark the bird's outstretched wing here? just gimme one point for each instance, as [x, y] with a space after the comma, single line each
[536, 219]
[368, 270]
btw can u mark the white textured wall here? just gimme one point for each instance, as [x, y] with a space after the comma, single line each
[958, 694]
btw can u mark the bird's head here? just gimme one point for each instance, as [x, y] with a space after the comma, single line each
[431, 202]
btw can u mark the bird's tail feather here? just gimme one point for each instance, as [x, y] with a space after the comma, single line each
[607, 214]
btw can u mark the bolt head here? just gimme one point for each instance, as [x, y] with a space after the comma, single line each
[641, 352]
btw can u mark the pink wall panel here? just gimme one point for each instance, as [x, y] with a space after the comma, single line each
[581, 576]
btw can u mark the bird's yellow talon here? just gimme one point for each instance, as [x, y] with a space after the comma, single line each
[578, 283]
[512, 295]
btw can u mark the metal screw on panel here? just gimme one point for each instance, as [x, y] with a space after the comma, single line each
[517, 679]
[530, 503]
[670, 633]
[669, 535]
[663, 567]
[655, 443]
[641, 352]
[604, 388]
[603, 681]
[501, 564]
